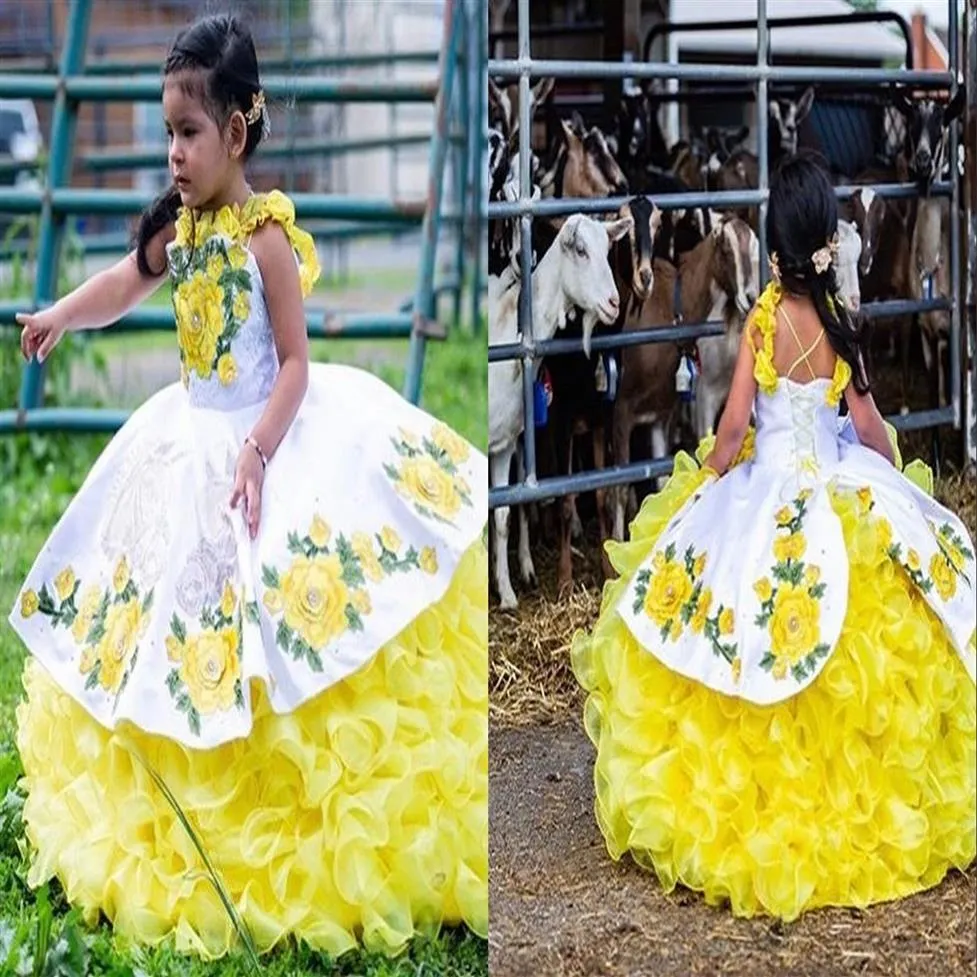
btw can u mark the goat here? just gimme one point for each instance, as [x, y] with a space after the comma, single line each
[741, 169]
[646, 393]
[733, 288]
[574, 272]
[637, 140]
[847, 262]
[927, 124]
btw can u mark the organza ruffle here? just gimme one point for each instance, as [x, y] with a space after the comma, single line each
[858, 790]
[361, 817]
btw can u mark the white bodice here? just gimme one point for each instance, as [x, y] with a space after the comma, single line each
[796, 427]
[251, 345]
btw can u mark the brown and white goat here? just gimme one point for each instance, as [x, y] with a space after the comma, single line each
[724, 263]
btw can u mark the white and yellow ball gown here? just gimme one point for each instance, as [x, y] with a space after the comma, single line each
[315, 699]
[781, 681]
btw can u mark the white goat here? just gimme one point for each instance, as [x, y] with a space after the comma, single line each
[574, 272]
[846, 263]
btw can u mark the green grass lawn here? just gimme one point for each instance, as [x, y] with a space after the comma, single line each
[38, 476]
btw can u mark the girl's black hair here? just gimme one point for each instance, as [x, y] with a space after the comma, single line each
[222, 72]
[802, 217]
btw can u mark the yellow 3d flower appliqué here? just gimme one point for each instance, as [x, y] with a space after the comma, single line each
[427, 472]
[106, 623]
[323, 591]
[672, 594]
[790, 608]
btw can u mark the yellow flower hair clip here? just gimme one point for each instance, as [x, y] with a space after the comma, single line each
[257, 107]
[822, 258]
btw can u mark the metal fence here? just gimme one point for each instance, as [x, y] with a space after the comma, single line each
[457, 136]
[761, 75]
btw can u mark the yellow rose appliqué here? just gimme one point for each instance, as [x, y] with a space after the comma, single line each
[106, 624]
[427, 473]
[206, 677]
[790, 608]
[672, 594]
[323, 592]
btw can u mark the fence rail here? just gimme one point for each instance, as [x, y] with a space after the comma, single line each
[414, 321]
[762, 74]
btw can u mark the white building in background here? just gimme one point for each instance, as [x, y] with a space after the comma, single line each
[361, 26]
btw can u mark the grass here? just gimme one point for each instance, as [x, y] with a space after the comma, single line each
[38, 477]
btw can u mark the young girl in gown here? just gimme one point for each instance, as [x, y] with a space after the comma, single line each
[271, 587]
[781, 681]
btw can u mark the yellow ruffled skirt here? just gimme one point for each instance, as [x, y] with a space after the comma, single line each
[360, 818]
[860, 789]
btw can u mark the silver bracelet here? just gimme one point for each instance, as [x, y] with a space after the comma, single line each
[257, 447]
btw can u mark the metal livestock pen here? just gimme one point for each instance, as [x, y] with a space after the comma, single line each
[525, 68]
[457, 124]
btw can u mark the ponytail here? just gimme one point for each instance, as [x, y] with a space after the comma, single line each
[161, 212]
[849, 333]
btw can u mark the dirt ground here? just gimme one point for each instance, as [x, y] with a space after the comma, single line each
[561, 908]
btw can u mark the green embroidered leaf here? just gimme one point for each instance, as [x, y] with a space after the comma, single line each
[818, 590]
[638, 602]
[92, 679]
[643, 576]
[312, 657]
[44, 601]
[392, 473]
[238, 694]
[798, 671]
[179, 631]
[147, 603]
[97, 633]
[795, 573]
[768, 661]
[129, 593]
[283, 636]
[269, 577]
[193, 720]
[353, 618]
[670, 552]
[411, 560]
[666, 630]
[251, 610]
[207, 621]
[173, 681]
[183, 703]
[296, 545]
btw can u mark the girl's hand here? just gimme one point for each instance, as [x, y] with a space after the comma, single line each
[41, 333]
[249, 476]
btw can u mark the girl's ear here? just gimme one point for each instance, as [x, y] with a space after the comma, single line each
[236, 134]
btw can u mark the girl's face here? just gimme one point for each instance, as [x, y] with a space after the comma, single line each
[202, 163]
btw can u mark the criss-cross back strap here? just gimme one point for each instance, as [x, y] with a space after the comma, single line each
[805, 353]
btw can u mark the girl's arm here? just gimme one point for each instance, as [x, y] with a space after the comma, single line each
[97, 303]
[283, 295]
[868, 422]
[739, 407]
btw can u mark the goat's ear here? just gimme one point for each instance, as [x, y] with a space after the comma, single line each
[617, 229]
[654, 222]
[611, 140]
[542, 90]
[904, 105]
[804, 104]
[714, 142]
[738, 136]
[570, 134]
[955, 106]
